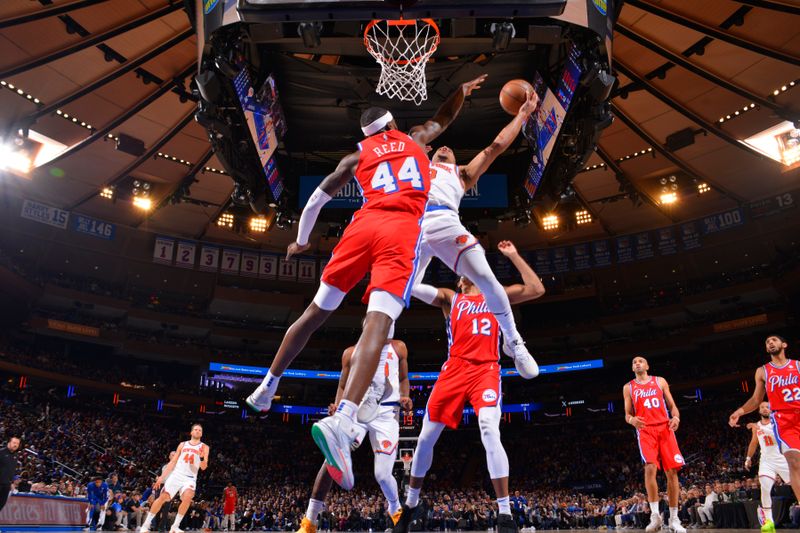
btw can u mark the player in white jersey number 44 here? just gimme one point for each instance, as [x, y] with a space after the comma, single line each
[444, 236]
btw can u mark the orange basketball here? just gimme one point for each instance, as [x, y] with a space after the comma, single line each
[513, 95]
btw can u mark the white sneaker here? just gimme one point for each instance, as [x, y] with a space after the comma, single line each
[144, 530]
[523, 360]
[174, 529]
[676, 527]
[655, 523]
[333, 435]
[259, 401]
[368, 410]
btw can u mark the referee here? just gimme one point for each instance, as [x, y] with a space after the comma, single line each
[8, 467]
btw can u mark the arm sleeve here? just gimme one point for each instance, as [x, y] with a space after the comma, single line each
[310, 213]
[426, 293]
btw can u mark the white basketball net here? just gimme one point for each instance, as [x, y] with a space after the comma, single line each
[402, 48]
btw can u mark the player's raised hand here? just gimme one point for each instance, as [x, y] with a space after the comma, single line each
[294, 249]
[406, 404]
[531, 102]
[507, 248]
[471, 85]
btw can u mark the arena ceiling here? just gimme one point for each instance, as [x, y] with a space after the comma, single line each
[724, 70]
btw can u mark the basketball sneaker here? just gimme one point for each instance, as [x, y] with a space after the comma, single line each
[523, 360]
[334, 436]
[768, 527]
[676, 527]
[259, 401]
[307, 526]
[655, 523]
[403, 524]
[368, 410]
[506, 524]
[174, 529]
[396, 516]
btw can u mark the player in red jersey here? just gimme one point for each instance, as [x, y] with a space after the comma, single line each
[471, 373]
[229, 496]
[780, 379]
[392, 170]
[646, 401]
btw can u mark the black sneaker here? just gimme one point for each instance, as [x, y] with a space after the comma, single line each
[404, 524]
[506, 524]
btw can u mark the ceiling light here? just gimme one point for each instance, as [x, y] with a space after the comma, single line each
[258, 224]
[780, 143]
[107, 192]
[669, 198]
[583, 217]
[703, 187]
[550, 222]
[142, 203]
[225, 220]
[14, 158]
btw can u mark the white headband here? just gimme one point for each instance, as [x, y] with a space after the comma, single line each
[377, 125]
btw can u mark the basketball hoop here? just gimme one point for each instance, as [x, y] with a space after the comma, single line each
[406, 463]
[402, 48]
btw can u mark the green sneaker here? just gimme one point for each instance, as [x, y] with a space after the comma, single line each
[768, 527]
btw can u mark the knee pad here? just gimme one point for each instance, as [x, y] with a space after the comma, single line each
[386, 303]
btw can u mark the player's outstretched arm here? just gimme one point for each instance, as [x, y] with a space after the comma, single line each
[675, 418]
[531, 287]
[630, 417]
[405, 387]
[446, 113]
[752, 404]
[751, 447]
[437, 297]
[323, 194]
[481, 162]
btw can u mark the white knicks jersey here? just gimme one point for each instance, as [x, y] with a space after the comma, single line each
[447, 189]
[767, 442]
[189, 461]
[388, 375]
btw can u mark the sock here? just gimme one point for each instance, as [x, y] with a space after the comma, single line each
[347, 409]
[653, 510]
[503, 505]
[269, 385]
[177, 523]
[412, 499]
[767, 513]
[147, 521]
[394, 506]
[314, 508]
[673, 513]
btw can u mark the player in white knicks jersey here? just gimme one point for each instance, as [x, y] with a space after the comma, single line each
[444, 236]
[377, 416]
[179, 477]
[771, 463]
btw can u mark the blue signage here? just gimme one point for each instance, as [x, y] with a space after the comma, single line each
[491, 191]
[412, 376]
[94, 227]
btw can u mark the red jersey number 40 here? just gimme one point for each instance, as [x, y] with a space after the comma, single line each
[652, 403]
[385, 179]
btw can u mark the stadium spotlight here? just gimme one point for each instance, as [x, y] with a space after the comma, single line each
[142, 203]
[583, 217]
[669, 198]
[550, 222]
[258, 224]
[225, 220]
[107, 192]
[703, 187]
[13, 158]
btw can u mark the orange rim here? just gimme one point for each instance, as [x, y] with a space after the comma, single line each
[401, 22]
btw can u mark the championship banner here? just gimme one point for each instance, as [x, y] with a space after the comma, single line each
[667, 245]
[45, 214]
[560, 259]
[230, 261]
[581, 258]
[186, 254]
[94, 227]
[502, 266]
[307, 271]
[723, 221]
[644, 246]
[541, 262]
[690, 236]
[287, 270]
[601, 254]
[268, 266]
[164, 250]
[624, 249]
[250, 264]
[209, 258]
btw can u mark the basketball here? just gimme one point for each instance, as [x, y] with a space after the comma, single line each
[513, 95]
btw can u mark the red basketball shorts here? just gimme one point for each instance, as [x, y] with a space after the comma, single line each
[787, 429]
[461, 381]
[383, 243]
[658, 445]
